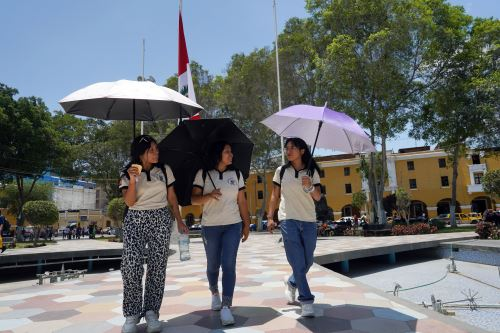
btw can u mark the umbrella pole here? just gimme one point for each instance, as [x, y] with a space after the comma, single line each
[133, 118]
[314, 147]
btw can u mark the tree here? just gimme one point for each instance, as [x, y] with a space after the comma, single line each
[29, 145]
[116, 210]
[491, 183]
[376, 58]
[403, 202]
[323, 211]
[40, 213]
[359, 200]
[9, 196]
[462, 110]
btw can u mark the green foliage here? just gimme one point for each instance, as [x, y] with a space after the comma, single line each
[438, 223]
[486, 230]
[9, 196]
[403, 202]
[359, 199]
[491, 182]
[41, 212]
[116, 209]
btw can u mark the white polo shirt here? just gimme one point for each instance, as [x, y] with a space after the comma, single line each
[225, 210]
[151, 188]
[295, 204]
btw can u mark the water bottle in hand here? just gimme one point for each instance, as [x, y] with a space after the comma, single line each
[184, 247]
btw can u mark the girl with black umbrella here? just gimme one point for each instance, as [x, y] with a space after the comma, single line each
[224, 222]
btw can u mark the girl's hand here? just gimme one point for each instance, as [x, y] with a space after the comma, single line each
[182, 227]
[245, 232]
[215, 194]
[306, 182]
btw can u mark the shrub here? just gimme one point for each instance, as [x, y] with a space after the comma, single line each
[438, 223]
[485, 229]
[413, 229]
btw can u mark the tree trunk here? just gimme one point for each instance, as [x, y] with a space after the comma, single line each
[453, 221]
[381, 184]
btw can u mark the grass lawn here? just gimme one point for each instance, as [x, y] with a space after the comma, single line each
[457, 229]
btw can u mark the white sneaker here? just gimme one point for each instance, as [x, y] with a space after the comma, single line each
[154, 325]
[216, 302]
[307, 310]
[226, 317]
[130, 325]
[289, 292]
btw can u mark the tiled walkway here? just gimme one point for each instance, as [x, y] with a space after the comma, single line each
[342, 305]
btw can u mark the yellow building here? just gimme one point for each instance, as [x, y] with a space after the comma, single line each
[425, 174]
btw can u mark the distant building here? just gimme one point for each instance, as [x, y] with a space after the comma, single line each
[69, 194]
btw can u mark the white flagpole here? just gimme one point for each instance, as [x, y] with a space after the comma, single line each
[143, 78]
[278, 77]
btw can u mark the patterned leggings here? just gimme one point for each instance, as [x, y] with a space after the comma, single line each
[152, 228]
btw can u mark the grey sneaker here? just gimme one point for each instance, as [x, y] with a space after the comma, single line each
[307, 310]
[154, 325]
[226, 317]
[289, 292]
[216, 302]
[130, 325]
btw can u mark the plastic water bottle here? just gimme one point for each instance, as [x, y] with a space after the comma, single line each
[184, 247]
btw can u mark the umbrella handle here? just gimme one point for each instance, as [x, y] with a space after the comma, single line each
[314, 147]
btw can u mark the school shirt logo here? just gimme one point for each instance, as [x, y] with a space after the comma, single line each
[231, 181]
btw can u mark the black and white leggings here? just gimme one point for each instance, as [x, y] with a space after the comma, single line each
[140, 228]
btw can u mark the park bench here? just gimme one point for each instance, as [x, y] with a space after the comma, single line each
[377, 230]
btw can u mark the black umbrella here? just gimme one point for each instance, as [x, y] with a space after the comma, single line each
[185, 151]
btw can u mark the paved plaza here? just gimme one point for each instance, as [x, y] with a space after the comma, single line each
[93, 304]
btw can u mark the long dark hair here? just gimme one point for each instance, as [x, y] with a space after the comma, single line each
[138, 147]
[214, 155]
[306, 158]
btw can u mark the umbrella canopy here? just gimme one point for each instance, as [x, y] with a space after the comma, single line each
[185, 149]
[129, 100]
[321, 127]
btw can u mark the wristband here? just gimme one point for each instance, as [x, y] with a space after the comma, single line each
[310, 189]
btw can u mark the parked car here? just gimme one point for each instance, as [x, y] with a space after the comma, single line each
[461, 218]
[474, 218]
[196, 226]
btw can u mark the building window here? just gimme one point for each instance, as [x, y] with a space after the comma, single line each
[476, 159]
[260, 195]
[348, 188]
[442, 162]
[478, 176]
[259, 179]
[347, 171]
[321, 173]
[413, 183]
[410, 165]
[444, 181]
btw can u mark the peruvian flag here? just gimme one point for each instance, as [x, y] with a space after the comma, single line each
[184, 74]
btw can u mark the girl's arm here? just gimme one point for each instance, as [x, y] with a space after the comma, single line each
[172, 199]
[275, 195]
[242, 204]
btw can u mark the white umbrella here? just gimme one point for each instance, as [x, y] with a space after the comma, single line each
[129, 100]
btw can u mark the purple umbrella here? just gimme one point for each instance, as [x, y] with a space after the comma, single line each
[321, 127]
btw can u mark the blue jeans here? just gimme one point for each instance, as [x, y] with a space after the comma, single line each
[221, 247]
[299, 239]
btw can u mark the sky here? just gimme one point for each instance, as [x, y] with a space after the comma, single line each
[52, 48]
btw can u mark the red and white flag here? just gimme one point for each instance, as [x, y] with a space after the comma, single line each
[184, 73]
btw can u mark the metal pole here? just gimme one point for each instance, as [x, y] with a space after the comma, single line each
[278, 77]
[143, 78]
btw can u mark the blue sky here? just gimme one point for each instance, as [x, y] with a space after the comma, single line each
[51, 48]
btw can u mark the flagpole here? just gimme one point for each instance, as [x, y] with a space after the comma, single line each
[278, 76]
[143, 78]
